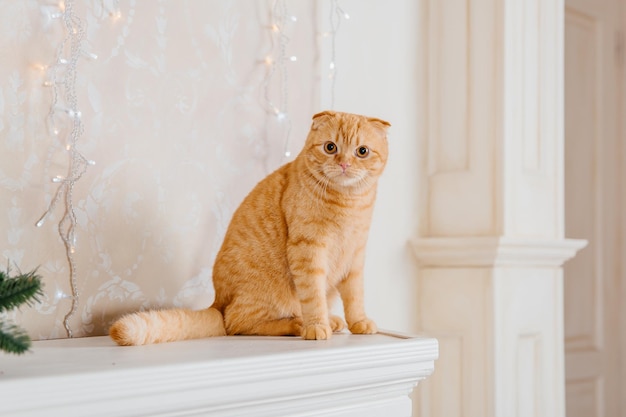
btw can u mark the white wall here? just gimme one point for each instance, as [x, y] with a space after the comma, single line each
[378, 73]
[176, 119]
[177, 123]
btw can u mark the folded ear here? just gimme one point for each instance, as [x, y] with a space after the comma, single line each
[324, 113]
[380, 125]
[320, 118]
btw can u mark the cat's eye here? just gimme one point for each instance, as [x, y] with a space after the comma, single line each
[330, 148]
[362, 151]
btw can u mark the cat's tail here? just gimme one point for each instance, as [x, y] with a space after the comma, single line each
[158, 326]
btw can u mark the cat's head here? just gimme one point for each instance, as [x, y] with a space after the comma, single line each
[346, 150]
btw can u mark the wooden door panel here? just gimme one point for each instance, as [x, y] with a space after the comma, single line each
[593, 82]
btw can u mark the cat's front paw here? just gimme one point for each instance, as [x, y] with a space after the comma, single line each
[316, 331]
[366, 326]
[336, 323]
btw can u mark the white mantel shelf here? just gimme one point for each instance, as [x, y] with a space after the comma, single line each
[349, 375]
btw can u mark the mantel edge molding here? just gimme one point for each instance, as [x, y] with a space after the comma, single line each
[494, 251]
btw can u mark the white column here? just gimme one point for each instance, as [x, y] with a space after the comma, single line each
[492, 242]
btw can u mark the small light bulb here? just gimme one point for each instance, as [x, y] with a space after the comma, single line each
[293, 58]
[89, 55]
[74, 114]
[287, 154]
[40, 222]
[332, 65]
[275, 28]
[91, 162]
[116, 15]
[293, 18]
[57, 179]
[268, 60]
[51, 12]
[60, 295]
[281, 116]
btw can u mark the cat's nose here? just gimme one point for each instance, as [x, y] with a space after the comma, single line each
[344, 166]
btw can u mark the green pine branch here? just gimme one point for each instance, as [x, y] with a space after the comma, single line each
[15, 291]
[13, 339]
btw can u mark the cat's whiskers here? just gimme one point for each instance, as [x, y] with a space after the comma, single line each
[364, 184]
[320, 186]
[353, 181]
[325, 182]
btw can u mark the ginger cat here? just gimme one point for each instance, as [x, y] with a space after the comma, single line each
[295, 241]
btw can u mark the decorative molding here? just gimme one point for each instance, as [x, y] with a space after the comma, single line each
[533, 117]
[587, 395]
[527, 68]
[462, 46]
[494, 251]
[349, 375]
[449, 40]
[449, 47]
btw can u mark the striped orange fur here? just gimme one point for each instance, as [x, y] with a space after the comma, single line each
[295, 243]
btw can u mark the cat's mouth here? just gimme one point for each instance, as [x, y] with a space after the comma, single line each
[345, 178]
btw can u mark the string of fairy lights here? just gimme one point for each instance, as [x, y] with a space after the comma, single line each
[278, 62]
[64, 118]
[336, 15]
